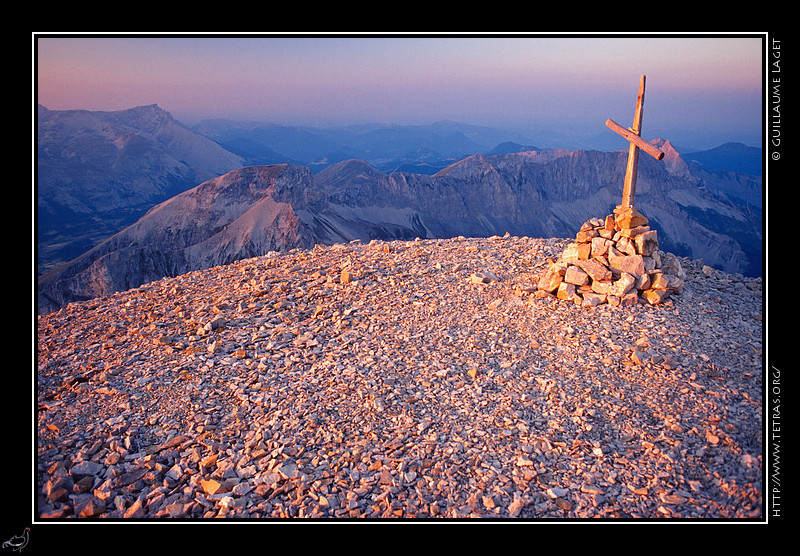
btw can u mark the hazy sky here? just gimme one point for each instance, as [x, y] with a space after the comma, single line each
[695, 85]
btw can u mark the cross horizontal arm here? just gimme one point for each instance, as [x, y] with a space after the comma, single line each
[635, 139]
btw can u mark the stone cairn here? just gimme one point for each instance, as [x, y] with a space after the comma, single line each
[615, 260]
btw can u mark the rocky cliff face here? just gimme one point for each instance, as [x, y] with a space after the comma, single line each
[238, 215]
[258, 209]
[541, 194]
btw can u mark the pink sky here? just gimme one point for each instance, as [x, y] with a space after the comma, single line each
[712, 82]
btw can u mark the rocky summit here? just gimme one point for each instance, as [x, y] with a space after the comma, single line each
[401, 379]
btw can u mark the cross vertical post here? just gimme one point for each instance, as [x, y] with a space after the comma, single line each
[629, 189]
[633, 134]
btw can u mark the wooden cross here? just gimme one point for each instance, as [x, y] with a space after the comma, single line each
[633, 134]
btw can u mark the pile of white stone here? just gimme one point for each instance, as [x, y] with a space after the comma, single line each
[615, 260]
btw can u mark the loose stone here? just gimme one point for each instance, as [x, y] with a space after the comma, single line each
[440, 379]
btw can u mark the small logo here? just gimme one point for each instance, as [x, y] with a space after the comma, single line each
[18, 542]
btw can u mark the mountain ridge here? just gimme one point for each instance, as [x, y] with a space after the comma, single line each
[285, 207]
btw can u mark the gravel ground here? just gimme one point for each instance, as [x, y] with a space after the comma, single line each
[420, 379]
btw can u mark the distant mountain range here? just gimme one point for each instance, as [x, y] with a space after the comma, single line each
[254, 204]
[422, 149]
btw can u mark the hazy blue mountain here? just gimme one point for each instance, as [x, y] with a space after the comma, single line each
[732, 169]
[259, 142]
[508, 147]
[98, 172]
[422, 148]
[734, 157]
